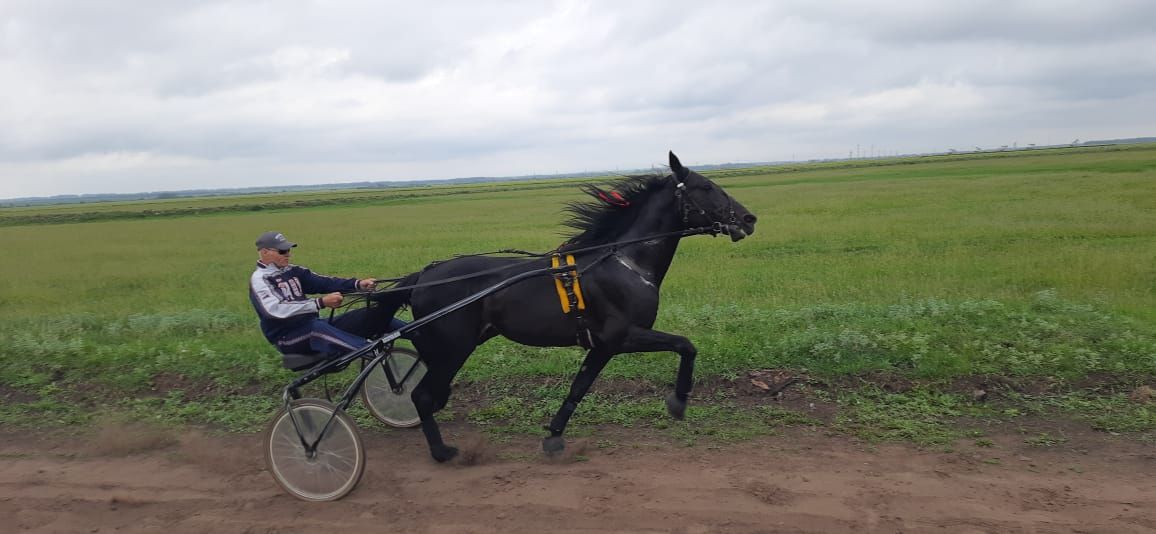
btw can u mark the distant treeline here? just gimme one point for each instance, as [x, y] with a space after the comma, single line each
[244, 191]
[255, 204]
[409, 184]
[279, 201]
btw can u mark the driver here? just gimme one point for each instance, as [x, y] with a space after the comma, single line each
[290, 319]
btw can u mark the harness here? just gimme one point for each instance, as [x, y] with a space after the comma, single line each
[570, 297]
[566, 282]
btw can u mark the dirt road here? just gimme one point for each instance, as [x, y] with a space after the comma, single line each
[134, 480]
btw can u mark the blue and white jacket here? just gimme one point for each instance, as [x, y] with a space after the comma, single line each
[279, 296]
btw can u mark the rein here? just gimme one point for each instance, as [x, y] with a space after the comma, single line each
[714, 230]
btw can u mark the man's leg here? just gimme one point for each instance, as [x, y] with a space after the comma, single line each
[320, 336]
[367, 322]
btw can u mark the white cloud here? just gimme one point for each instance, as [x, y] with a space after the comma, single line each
[234, 93]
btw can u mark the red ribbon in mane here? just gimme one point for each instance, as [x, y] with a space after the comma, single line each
[614, 198]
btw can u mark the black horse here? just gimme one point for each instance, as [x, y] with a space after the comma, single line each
[619, 285]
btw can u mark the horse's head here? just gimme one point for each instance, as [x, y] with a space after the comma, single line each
[704, 203]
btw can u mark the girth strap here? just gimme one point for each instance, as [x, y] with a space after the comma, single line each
[566, 282]
[570, 297]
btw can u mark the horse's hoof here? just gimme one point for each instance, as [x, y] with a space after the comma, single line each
[553, 445]
[676, 407]
[444, 454]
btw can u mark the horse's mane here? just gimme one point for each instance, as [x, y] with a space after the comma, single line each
[612, 211]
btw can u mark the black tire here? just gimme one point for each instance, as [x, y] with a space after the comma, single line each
[338, 463]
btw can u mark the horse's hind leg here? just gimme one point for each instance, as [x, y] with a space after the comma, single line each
[429, 397]
[645, 340]
[444, 355]
[591, 367]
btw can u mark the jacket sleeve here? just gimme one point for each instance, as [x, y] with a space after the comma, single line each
[273, 305]
[312, 282]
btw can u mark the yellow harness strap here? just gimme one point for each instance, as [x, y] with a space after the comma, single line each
[563, 297]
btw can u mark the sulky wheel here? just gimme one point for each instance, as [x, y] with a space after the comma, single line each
[394, 408]
[334, 467]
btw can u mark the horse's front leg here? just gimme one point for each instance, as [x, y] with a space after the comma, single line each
[646, 340]
[595, 360]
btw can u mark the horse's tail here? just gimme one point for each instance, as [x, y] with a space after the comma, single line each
[392, 300]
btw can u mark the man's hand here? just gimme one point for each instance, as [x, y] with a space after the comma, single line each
[366, 284]
[332, 300]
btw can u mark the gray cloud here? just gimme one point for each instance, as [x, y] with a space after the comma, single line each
[144, 95]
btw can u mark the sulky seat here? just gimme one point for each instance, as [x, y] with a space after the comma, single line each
[300, 362]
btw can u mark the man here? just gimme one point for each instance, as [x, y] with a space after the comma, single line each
[290, 319]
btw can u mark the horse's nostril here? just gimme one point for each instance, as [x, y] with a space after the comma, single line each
[750, 218]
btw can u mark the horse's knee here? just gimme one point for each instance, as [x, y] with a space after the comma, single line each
[686, 349]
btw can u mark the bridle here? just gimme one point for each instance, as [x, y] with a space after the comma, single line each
[687, 206]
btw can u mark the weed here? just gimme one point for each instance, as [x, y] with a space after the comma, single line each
[922, 416]
[1045, 439]
[1109, 413]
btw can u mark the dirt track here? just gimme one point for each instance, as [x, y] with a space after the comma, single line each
[803, 481]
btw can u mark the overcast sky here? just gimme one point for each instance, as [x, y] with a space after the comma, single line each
[149, 95]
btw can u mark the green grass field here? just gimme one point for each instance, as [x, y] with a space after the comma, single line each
[1030, 264]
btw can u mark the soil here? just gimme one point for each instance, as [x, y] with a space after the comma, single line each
[138, 479]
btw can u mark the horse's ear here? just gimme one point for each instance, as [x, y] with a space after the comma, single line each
[676, 167]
